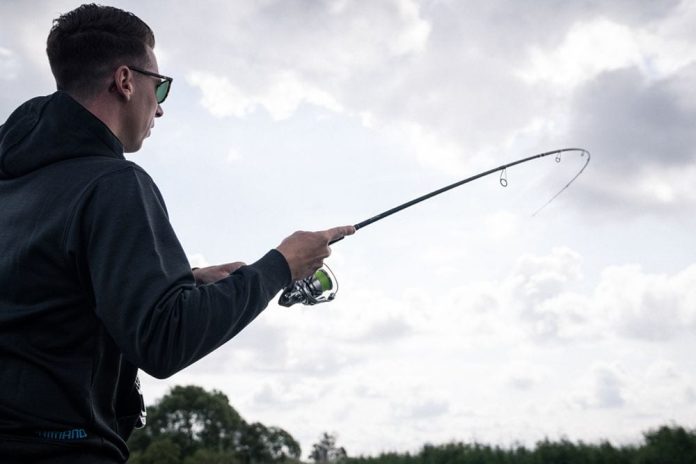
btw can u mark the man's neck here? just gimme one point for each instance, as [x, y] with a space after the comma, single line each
[104, 108]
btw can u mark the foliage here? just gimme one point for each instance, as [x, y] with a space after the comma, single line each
[259, 443]
[190, 425]
[666, 445]
[163, 451]
[205, 456]
[327, 451]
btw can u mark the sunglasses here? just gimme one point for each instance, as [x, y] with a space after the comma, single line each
[162, 89]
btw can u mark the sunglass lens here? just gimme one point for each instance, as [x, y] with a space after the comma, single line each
[162, 91]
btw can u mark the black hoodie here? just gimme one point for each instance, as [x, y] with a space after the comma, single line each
[94, 285]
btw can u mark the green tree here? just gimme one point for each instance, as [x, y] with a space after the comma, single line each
[204, 428]
[327, 451]
[204, 456]
[260, 444]
[163, 451]
[668, 445]
[197, 418]
[282, 445]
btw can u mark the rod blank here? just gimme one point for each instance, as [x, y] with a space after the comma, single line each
[427, 196]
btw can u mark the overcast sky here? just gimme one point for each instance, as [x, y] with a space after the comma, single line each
[464, 318]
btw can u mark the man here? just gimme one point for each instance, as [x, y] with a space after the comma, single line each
[93, 281]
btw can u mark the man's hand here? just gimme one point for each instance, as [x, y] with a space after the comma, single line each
[305, 251]
[208, 275]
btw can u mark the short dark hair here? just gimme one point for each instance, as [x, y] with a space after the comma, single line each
[89, 42]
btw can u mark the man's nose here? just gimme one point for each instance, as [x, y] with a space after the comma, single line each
[160, 112]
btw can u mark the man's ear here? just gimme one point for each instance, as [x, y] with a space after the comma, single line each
[123, 82]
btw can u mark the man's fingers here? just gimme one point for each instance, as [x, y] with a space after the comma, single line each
[337, 233]
[305, 251]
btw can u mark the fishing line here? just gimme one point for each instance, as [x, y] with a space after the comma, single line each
[565, 187]
[318, 287]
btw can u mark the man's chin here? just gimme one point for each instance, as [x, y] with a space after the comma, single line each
[133, 148]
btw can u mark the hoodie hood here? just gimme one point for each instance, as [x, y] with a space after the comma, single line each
[49, 129]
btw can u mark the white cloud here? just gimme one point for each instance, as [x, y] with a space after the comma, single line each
[648, 306]
[412, 38]
[9, 65]
[607, 389]
[431, 147]
[289, 394]
[600, 45]
[317, 51]
[411, 30]
[220, 96]
[664, 385]
[424, 410]
[627, 302]
[546, 296]
[640, 134]
[386, 331]
[589, 49]
[288, 91]
[522, 376]
[281, 96]
[604, 388]
[666, 187]
[542, 277]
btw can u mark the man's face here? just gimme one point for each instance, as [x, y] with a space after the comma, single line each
[142, 108]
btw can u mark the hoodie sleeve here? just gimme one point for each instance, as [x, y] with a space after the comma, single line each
[142, 285]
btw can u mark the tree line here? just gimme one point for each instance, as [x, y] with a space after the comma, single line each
[665, 445]
[190, 425]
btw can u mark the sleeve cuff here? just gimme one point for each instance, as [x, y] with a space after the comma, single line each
[275, 269]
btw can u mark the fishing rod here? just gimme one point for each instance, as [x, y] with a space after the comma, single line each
[322, 286]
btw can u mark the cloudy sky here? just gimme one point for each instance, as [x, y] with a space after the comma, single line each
[464, 318]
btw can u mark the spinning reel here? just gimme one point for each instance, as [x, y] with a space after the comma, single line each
[311, 290]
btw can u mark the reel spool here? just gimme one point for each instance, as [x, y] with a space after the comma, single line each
[312, 290]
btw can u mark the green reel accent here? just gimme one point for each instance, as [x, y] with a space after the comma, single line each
[324, 280]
